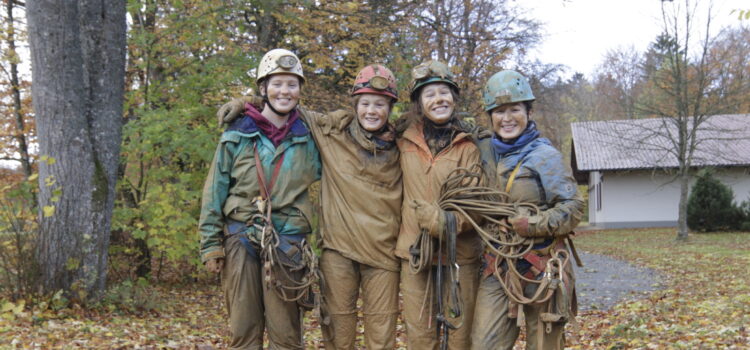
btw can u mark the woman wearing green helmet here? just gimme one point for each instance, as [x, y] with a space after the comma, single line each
[529, 169]
[433, 142]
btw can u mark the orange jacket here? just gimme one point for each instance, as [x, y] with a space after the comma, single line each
[423, 176]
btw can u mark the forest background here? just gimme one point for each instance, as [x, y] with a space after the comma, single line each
[186, 58]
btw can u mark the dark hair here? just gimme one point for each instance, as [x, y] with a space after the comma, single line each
[528, 104]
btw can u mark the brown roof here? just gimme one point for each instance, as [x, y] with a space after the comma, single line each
[723, 140]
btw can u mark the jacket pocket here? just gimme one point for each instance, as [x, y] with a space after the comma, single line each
[296, 223]
[238, 205]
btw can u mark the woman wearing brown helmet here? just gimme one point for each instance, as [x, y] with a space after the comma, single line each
[433, 143]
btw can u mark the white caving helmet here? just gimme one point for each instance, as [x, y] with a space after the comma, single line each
[279, 61]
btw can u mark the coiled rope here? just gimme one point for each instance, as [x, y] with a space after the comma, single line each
[463, 194]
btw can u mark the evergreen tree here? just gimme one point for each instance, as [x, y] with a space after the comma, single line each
[710, 206]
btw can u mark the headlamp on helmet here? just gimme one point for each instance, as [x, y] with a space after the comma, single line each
[286, 61]
[375, 79]
[279, 61]
[430, 72]
[378, 82]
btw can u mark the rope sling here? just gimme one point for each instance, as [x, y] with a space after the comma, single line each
[291, 280]
[462, 194]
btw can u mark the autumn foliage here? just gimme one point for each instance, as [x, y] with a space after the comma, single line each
[186, 58]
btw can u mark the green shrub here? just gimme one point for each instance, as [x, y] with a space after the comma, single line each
[18, 232]
[744, 213]
[710, 206]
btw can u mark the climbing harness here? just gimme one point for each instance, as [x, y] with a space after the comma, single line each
[290, 266]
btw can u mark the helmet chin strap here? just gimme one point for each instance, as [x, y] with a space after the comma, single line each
[268, 103]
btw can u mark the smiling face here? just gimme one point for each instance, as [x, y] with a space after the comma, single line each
[373, 111]
[510, 120]
[437, 102]
[283, 92]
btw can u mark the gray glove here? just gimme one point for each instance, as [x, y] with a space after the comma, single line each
[235, 107]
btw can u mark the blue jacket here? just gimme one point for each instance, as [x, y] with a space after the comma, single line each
[543, 179]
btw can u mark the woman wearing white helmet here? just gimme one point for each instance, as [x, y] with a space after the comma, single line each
[255, 210]
[531, 170]
[361, 195]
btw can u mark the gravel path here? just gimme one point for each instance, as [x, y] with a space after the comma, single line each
[605, 281]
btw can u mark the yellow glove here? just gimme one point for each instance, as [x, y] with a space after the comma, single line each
[429, 217]
[235, 107]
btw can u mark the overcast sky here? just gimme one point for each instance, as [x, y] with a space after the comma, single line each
[579, 32]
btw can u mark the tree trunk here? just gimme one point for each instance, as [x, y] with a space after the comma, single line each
[23, 148]
[78, 66]
[682, 227]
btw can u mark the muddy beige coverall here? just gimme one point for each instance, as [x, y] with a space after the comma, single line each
[542, 179]
[424, 174]
[361, 194]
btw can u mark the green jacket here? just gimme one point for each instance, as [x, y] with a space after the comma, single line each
[232, 182]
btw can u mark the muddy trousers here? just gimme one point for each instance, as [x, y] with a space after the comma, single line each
[343, 279]
[253, 307]
[419, 313]
[493, 329]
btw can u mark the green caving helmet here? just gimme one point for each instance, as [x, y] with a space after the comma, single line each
[430, 72]
[506, 86]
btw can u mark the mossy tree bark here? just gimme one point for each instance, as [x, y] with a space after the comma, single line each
[78, 65]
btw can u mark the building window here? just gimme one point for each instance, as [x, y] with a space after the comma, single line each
[598, 189]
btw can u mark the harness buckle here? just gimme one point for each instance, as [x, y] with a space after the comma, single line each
[260, 203]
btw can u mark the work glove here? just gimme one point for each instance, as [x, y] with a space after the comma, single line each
[215, 265]
[235, 108]
[429, 217]
[525, 225]
[340, 119]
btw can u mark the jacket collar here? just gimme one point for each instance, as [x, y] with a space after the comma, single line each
[415, 134]
[246, 125]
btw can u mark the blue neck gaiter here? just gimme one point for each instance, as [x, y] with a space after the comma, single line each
[528, 135]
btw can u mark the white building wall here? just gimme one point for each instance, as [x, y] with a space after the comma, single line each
[739, 180]
[641, 198]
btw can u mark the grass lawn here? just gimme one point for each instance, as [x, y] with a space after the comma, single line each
[705, 305]
[706, 302]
